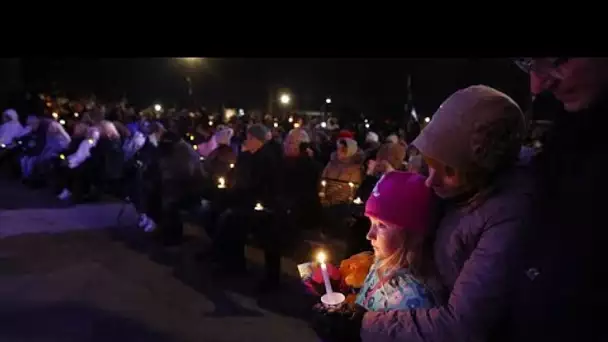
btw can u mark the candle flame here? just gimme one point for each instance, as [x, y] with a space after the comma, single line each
[358, 201]
[323, 183]
[192, 138]
[258, 207]
[194, 147]
[221, 183]
[62, 157]
[232, 166]
[91, 141]
[321, 257]
[76, 115]
[55, 115]
[351, 184]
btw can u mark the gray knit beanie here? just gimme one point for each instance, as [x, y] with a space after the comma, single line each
[477, 127]
[259, 131]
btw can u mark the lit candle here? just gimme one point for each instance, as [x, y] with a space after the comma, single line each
[321, 257]
[55, 115]
[91, 141]
[210, 123]
[3, 146]
[290, 119]
[232, 166]
[76, 115]
[221, 183]
[323, 184]
[330, 297]
[276, 125]
[62, 157]
[194, 147]
[258, 207]
[192, 138]
[296, 125]
[62, 122]
[358, 201]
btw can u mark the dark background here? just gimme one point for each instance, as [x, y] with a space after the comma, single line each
[374, 86]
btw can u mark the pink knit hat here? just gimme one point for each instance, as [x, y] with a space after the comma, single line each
[401, 199]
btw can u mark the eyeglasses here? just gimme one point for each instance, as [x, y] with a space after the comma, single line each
[541, 66]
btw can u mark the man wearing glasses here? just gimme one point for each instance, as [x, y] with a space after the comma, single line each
[558, 296]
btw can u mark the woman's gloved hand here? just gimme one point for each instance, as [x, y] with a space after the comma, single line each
[339, 324]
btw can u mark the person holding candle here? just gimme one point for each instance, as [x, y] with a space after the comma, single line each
[217, 163]
[472, 148]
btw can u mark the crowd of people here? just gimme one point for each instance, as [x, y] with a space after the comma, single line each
[480, 233]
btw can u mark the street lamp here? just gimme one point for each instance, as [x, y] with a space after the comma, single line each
[285, 99]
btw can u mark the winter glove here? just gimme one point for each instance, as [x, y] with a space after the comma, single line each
[338, 324]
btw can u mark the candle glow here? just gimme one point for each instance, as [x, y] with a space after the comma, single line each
[221, 183]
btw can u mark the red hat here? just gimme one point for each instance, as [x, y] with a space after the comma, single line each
[401, 199]
[346, 134]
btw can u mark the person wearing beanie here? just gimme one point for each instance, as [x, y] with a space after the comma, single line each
[10, 129]
[402, 276]
[343, 168]
[371, 146]
[258, 175]
[393, 138]
[471, 147]
[218, 163]
[302, 176]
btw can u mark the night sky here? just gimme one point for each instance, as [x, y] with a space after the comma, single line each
[367, 85]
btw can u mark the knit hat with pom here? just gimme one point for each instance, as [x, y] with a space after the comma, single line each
[401, 199]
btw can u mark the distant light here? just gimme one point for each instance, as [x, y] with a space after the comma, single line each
[195, 147]
[427, 119]
[328, 100]
[276, 125]
[285, 99]
[232, 166]
[191, 114]
[158, 107]
[192, 138]
[3, 146]
[290, 119]
[365, 120]
[62, 122]
[358, 201]
[201, 158]
[323, 124]
[296, 125]
[62, 157]
[366, 125]
[210, 123]
[76, 115]
[241, 112]
[55, 115]
[91, 141]
[414, 114]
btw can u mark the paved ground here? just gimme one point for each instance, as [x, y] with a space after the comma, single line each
[89, 279]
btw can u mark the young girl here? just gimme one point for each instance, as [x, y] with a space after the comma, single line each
[401, 276]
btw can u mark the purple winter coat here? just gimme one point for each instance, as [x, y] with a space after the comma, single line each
[477, 255]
